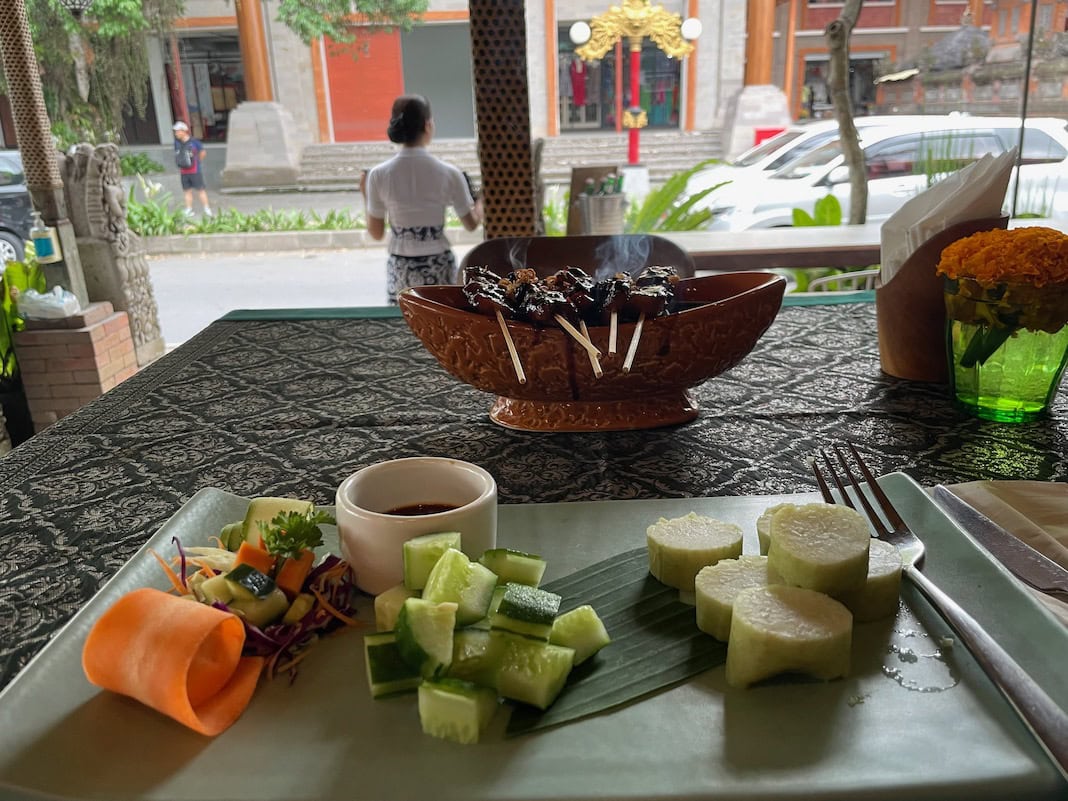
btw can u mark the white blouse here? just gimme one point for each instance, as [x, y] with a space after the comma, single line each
[411, 191]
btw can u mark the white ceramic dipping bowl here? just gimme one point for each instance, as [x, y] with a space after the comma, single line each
[372, 539]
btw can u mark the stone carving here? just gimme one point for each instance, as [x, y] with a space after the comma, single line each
[113, 258]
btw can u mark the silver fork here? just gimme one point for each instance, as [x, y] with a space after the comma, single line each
[1047, 721]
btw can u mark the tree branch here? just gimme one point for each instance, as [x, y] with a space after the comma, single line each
[837, 34]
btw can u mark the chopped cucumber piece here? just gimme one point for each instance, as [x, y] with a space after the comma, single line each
[424, 634]
[387, 672]
[388, 605]
[232, 535]
[261, 611]
[300, 606]
[455, 710]
[495, 603]
[526, 610]
[467, 584]
[422, 553]
[248, 583]
[217, 588]
[472, 657]
[264, 510]
[581, 630]
[509, 565]
[529, 671]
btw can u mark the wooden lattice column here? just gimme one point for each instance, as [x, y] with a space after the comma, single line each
[502, 111]
[34, 133]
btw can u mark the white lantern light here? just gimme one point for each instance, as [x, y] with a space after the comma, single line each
[691, 29]
[579, 33]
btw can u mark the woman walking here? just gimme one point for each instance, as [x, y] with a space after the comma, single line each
[412, 191]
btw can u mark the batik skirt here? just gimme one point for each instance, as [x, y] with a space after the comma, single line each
[406, 271]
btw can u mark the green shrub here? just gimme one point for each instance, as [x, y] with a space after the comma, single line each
[138, 164]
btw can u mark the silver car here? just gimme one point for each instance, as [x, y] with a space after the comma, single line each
[901, 162]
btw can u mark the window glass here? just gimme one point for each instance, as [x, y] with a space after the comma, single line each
[766, 148]
[10, 171]
[894, 157]
[1038, 146]
[803, 148]
[810, 162]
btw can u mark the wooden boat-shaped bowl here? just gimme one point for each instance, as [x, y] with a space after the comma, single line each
[721, 318]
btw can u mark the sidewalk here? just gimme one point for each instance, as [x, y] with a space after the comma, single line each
[194, 290]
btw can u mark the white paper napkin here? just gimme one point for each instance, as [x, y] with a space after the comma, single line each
[973, 193]
[1034, 511]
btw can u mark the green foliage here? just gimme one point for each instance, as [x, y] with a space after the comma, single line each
[827, 211]
[312, 19]
[138, 164]
[669, 208]
[555, 216]
[18, 276]
[159, 215]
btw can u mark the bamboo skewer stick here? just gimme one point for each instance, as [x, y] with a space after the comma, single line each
[522, 376]
[613, 332]
[634, 343]
[595, 362]
[595, 355]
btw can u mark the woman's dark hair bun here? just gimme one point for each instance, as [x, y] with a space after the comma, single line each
[408, 119]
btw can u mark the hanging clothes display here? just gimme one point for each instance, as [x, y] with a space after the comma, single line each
[578, 81]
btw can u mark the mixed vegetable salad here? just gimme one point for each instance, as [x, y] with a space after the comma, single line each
[263, 570]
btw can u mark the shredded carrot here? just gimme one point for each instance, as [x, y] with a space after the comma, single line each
[177, 582]
[348, 621]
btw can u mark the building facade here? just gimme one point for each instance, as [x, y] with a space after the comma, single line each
[907, 56]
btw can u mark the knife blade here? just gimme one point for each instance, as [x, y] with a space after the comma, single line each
[1027, 564]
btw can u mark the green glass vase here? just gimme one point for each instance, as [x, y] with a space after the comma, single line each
[1007, 348]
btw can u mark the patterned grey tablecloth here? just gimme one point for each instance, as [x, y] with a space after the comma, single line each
[291, 407]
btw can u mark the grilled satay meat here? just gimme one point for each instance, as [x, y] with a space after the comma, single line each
[653, 300]
[578, 287]
[539, 304]
[657, 276]
[487, 297]
[611, 296]
[481, 272]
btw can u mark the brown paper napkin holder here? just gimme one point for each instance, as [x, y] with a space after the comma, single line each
[910, 310]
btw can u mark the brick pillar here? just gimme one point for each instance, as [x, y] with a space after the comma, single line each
[67, 363]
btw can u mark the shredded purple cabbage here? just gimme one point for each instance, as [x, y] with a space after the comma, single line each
[181, 555]
[288, 639]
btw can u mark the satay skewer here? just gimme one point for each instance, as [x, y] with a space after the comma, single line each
[613, 331]
[519, 373]
[634, 343]
[595, 362]
[591, 349]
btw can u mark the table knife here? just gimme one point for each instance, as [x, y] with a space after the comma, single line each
[1027, 564]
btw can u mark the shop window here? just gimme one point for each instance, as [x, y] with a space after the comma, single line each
[587, 89]
[212, 79]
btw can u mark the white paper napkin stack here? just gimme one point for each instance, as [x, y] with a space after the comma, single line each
[973, 193]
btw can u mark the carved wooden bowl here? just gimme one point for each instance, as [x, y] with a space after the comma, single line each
[722, 318]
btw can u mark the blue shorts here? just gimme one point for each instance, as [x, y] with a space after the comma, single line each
[192, 180]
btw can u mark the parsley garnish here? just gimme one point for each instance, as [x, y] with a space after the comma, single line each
[289, 533]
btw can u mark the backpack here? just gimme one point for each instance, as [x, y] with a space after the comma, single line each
[184, 156]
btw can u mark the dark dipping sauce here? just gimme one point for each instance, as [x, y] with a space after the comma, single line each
[422, 509]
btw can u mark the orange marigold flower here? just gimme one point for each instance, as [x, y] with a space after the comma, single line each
[1031, 255]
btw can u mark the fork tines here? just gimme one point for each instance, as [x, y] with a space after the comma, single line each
[868, 478]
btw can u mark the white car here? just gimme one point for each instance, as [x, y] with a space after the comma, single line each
[901, 162]
[778, 151]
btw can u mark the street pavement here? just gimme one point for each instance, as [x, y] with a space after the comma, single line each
[194, 290]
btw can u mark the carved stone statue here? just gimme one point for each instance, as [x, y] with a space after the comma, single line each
[113, 258]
